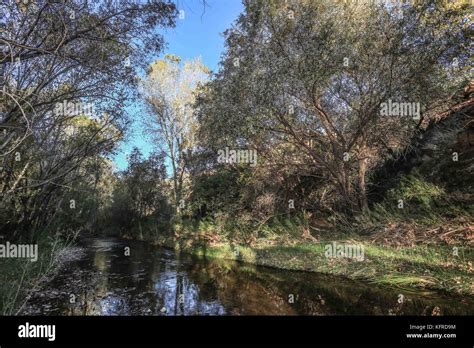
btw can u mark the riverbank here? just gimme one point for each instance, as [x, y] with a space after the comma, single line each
[21, 277]
[418, 267]
[426, 266]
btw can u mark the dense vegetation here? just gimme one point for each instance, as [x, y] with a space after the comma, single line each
[299, 97]
[301, 87]
[286, 146]
[67, 77]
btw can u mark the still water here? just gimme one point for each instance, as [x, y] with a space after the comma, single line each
[158, 281]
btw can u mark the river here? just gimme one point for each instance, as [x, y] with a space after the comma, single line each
[158, 281]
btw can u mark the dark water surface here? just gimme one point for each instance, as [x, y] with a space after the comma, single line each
[157, 281]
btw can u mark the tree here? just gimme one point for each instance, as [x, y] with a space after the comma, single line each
[139, 194]
[169, 92]
[304, 84]
[78, 54]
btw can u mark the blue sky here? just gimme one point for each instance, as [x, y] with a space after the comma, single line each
[198, 34]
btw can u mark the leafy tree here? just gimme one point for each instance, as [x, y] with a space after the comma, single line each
[51, 53]
[303, 83]
[139, 194]
[168, 91]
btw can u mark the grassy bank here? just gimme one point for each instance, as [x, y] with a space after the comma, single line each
[429, 264]
[422, 267]
[420, 235]
[19, 276]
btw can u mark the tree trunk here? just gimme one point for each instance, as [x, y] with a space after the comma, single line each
[362, 185]
[346, 190]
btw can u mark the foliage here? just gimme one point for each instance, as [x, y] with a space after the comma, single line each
[66, 80]
[168, 91]
[139, 198]
[303, 85]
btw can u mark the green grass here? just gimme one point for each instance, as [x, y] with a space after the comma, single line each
[279, 243]
[424, 203]
[17, 275]
[423, 267]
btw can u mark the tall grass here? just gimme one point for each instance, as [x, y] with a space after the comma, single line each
[18, 276]
[414, 200]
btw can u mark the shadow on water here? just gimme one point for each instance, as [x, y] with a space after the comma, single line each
[157, 281]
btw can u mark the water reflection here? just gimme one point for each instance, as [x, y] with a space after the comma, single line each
[114, 305]
[156, 281]
[179, 296]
